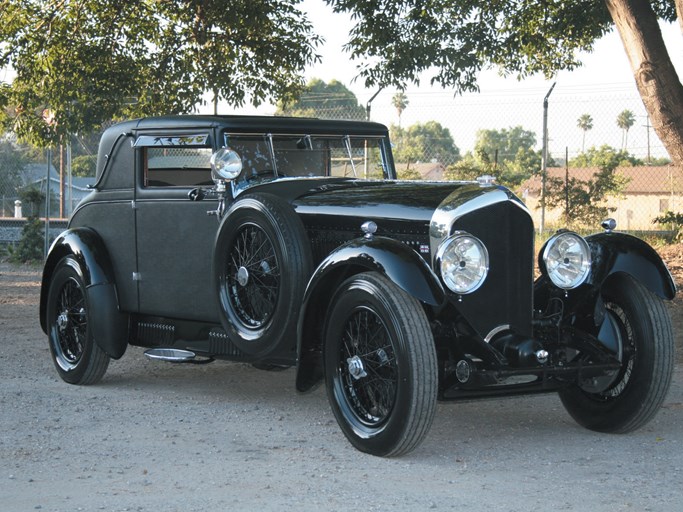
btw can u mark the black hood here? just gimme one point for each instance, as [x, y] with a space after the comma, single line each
[374, 200]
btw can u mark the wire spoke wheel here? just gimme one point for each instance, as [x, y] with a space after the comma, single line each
[253, 277]
[70, 328]
[643, 342]
[627, 349]
[380, 365]
[77, 358]
[368, 374]
[262, 263]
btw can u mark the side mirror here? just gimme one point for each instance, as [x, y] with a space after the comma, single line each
[226, 165]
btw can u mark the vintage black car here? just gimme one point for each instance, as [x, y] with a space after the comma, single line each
[290, 242]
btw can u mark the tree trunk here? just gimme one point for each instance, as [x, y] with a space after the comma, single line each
[656, 78]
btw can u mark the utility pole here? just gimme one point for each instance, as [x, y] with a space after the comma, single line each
[648, 126]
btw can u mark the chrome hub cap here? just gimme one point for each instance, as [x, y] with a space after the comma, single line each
[356, 369]
[63, 321]
[243, 276]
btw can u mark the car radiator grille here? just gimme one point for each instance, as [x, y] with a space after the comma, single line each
[505, 298]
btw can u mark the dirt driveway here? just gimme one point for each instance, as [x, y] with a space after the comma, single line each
[157, 437]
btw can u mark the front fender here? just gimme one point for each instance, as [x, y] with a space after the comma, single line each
[397, 261]
[612, 254]
[619, 252]
[110, 329]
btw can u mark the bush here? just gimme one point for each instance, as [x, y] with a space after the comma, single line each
[675, 222]
[31, 246]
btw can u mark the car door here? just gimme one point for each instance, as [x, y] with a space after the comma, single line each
[175, 235]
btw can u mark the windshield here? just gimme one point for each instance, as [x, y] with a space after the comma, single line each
[270, 156]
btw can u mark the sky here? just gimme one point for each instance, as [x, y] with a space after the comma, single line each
[603, 87]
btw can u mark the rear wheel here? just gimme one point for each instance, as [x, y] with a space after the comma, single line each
[75, 354]
[380, 366]
[644, 343]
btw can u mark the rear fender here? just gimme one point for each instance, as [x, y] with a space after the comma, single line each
[395, 260]
[110, 330]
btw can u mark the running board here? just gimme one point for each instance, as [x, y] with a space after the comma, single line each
[175, 355]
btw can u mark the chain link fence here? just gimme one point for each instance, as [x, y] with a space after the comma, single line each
[604, 158]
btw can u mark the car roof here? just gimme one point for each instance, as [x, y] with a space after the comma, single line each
[231, 123]
[258, 124]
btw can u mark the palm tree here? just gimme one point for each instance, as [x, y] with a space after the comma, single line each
[400, 102]
[585, 123]
[624, 121]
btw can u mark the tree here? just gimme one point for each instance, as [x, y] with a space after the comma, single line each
[400, 103]
[397, 40]
[585, 123]
[88, 61]
[331, 100]
[408, 173]
[84, 165]
[424, 142]
[584, 202]
[604, 156]
[12, 161]
[625, 120]
[508, 154]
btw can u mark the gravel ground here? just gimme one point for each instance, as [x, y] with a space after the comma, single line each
[159, 437]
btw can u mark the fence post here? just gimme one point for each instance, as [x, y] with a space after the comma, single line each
[367, 106]
[544, 157]
[47, 203]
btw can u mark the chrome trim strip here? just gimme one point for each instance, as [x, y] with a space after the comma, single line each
[461, 202]
[496, 330]
[196, 139]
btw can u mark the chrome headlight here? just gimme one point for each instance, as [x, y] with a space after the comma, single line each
[226, 164]
[463, 261]
[567, 259]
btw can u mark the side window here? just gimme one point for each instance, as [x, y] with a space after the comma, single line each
[255, 153]
[177, 167]
[175, 160]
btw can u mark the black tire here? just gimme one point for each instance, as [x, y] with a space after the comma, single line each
[261, 265]
[76, 356]
[380, 366]
[646, 346]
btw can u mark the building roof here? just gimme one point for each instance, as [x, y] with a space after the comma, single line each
[642, 179]
[428, 170]
[35, 173]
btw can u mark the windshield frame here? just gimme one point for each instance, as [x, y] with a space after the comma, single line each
[307, 142]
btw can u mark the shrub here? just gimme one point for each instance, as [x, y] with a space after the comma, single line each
[675, 222]
[31, 246]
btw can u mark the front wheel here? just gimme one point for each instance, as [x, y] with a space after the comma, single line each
[380, 366]
[75, 354]
[645, 345]
[262, 263]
